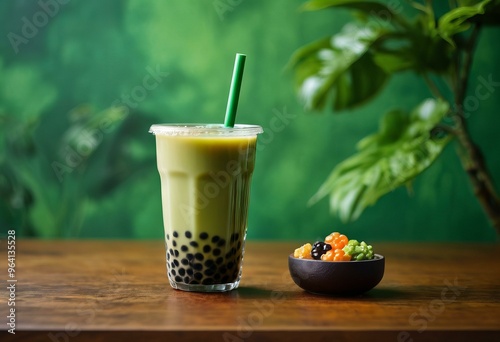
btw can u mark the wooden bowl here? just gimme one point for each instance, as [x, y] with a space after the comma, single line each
[344, 278]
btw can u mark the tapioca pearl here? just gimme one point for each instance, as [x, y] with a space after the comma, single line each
[187, 280]
[190, 256]
[207, 281]
[222, 269]
[188, 234]
[172, 272]
[221, 242]
[215, 239]
[198, 276]
[224, 279]
[198, 267]
[216, 252]
[176, 263]
[176, 253]
[194, 282]
[175, 234]
[235, 237]
[194, 244]
[178, 279]
[217, 276]
[172, 265]
[174, 243]
[167, 237]
[199, 256]
[168, 256]
[210, 263]
[209, 272]
[190, 272]
[171, 251]
[184, 261]
[230, 265]
[184, 248]
[219, 260]
[229, 254]
[182, 272]
[203, 236]
[207, 249]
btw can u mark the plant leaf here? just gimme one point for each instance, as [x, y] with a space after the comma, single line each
[458, 20]
[401, 150]
[344, 67]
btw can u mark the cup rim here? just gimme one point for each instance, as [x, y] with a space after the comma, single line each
[199, 129]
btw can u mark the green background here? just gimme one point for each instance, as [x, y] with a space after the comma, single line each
[72, 72]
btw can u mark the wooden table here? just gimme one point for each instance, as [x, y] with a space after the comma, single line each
[118, 291]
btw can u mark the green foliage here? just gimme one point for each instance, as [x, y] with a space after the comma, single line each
[355, 64]
[402, 149]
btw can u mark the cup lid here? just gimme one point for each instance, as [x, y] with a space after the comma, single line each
[186, 129]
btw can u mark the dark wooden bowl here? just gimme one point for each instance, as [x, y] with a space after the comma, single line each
[345, 278]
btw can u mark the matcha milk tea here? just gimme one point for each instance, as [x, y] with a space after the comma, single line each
[205, 173]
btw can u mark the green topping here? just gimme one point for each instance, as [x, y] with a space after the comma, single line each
[358, 251]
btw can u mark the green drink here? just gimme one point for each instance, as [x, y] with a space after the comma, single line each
[205, 173]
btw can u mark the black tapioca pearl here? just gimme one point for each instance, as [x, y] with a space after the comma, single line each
[172, 272]
[194, 282]
[189, 271]
[168, 237]
[216, 252]
[188, 235]
[178, 278]
[174, 243]
[168, 256]
[224, 279]
[182, 272]
[198, 276]
[176, 263]
[186, 280]
[172, 265]
[219, 260]
[194, 244]
[207, 249]
[199, 256]
[175, 234]
[198, 267]
[176, 253]
[185, 261]
[230, 265]
[203, 236]
[221, 242]
[223, 269]
[217, 276]
[209, 263]
[229, 254]
[215, 239]
[171, 251]
[207, 281]
[184, 248]
[209, 272]
[234, 237]
[190, 256]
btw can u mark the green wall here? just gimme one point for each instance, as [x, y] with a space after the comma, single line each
[171, 61]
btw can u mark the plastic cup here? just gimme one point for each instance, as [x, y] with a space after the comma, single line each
[205, 172]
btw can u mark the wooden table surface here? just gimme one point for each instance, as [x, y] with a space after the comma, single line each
[118, 290]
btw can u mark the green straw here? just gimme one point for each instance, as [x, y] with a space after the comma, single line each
[234, 90]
